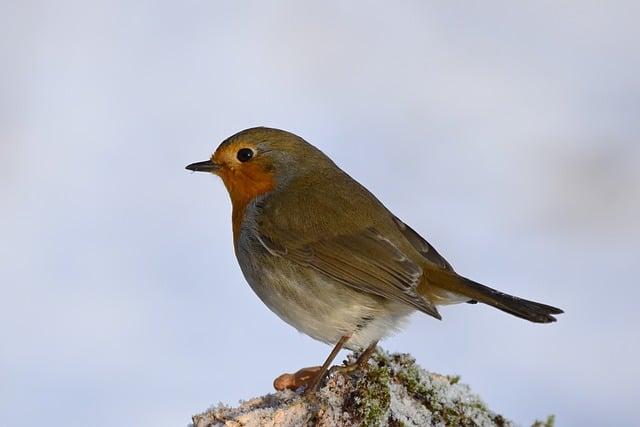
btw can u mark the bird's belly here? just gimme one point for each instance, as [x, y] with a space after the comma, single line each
[320, 307]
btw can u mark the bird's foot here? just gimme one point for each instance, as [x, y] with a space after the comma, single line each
[312, 377]
[360, 363]
[304, 377]
[346, 369]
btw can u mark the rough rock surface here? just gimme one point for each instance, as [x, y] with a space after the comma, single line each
[392, 391]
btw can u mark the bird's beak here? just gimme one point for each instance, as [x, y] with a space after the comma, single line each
[206, 166]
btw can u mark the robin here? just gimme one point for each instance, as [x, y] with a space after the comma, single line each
[327, 256]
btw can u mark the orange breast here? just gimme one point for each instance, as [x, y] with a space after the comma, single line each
[244, 185]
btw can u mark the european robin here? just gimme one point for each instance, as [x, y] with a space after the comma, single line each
[327, 256]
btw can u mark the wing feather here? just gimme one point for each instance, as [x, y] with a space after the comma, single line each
[364, 260]
[421, 245]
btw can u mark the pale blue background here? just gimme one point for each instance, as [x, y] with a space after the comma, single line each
[506, 133]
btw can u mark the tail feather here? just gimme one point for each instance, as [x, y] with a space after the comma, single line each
[525, 309]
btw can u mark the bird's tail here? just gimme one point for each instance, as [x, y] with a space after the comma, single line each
[440, 280]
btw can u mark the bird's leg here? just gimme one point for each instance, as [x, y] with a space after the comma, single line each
[360, 362]
[311, 377]
[315, 383]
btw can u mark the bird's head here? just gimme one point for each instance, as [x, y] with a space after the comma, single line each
[259, 160]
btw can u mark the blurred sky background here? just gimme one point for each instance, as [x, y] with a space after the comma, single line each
[505, 132]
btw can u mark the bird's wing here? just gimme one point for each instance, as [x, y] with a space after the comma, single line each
[421, 245]
[364, 260]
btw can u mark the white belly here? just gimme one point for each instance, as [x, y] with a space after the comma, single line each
[321, 308]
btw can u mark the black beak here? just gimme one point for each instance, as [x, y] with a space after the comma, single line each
[206, 166]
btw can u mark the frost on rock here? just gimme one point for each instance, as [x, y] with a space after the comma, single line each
[391, 391]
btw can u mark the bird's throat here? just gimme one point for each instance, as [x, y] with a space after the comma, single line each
[243, 187]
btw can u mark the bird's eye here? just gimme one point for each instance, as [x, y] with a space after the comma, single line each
[245, 154]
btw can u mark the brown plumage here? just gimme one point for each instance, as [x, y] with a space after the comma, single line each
[326, 255]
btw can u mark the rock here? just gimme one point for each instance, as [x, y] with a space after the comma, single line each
[392, 391]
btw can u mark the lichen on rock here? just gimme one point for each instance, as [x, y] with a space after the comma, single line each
[392, 391]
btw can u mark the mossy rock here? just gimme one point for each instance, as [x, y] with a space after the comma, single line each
[391, 391]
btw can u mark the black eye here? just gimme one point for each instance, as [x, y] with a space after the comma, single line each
[245, 154]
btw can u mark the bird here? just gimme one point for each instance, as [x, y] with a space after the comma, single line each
[327, 257]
